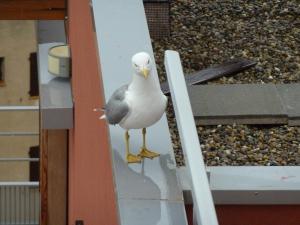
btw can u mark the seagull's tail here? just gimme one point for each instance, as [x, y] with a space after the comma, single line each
[101, 109]
[103, 117]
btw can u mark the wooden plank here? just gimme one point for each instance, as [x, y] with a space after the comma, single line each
[91, 185]
[53, 179]
[57, 176]
[225, 69]
[44, 176]
[32, 4]
[20, 14]
[32, 9]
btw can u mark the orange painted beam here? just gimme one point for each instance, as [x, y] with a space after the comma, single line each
[91, 186]
[254, 214]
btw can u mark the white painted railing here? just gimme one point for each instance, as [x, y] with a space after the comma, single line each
[204, 209]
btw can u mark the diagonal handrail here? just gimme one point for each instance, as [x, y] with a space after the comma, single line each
[202, 198]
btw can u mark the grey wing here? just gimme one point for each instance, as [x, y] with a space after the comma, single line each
[116, 108]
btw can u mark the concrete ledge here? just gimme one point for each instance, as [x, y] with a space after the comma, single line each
[242, 120]
[295, 121]
[290, 96]
[257, 185]
[246, 104]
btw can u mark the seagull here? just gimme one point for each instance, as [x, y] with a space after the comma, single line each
[137, 105]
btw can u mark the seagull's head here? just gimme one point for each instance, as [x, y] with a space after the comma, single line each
[142, 64]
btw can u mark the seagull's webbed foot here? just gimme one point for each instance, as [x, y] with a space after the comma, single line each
[145, 153]
[131, 158]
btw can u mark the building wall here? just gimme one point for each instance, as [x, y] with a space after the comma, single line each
[17, 41]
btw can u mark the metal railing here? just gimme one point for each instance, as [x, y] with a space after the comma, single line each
[19, 108]
[19, 203]
[20, 133]
[204, 210]
[18, 159]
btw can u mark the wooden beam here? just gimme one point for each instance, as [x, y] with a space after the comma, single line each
[32, 4]
[32, 9]
[44, 176]
[54, 147]
[57, 176]
[32, 15]
[92, 196]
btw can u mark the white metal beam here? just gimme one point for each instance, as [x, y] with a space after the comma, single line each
[205, 210]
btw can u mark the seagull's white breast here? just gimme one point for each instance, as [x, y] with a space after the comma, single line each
[146, 108]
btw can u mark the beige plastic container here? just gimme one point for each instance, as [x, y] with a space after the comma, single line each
[59, 61]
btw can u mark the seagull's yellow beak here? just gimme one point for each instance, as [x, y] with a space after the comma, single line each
[145, 73]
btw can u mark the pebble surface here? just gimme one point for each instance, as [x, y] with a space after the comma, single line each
[210, 32]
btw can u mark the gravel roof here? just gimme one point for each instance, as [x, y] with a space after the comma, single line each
[210, 32]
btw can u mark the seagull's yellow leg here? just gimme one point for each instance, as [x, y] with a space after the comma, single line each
[145, 153]
[131, 158]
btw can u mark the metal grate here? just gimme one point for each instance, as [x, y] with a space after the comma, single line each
[19, 203]
[158, 17]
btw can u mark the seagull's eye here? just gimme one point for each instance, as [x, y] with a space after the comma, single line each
[148, 61]
[136, 65]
